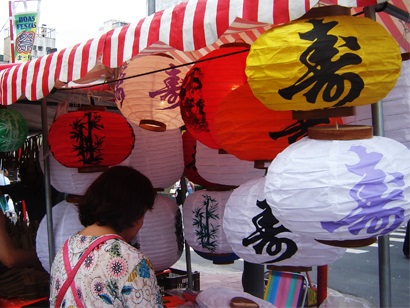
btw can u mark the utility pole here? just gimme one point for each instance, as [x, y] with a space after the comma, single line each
[151, 7]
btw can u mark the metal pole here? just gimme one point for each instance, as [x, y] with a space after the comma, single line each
[151, 7]
[383, 241]
[11, 16]
[47, 186]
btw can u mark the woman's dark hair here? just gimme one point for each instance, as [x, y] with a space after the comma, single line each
[117, 198]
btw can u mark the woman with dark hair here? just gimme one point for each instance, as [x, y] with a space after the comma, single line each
[97, 267]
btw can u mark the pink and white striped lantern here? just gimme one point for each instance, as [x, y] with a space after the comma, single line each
[224, 169]
[257, 236]
[158, 155]
[341, 190]
[161, 237]
[203, 213]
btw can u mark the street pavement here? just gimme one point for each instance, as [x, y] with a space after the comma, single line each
[353, 280]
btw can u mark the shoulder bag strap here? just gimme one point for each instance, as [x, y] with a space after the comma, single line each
[72, 272]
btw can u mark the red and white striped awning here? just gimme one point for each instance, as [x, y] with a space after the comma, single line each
[187, 31]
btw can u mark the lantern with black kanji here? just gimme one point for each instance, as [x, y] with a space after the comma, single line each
[257, 236]
[318, 63]
[341, 192]
[251, 131]
[147, 92]
[13, 130]
[90, 139]
[203, 213]
[206, 84]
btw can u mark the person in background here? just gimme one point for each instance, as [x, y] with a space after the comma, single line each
[110, 272]
[12, 256]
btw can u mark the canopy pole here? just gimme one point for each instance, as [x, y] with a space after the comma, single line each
[383, 241]
[47, 187]
[151, 7]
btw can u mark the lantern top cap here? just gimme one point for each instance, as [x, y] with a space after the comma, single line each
[340, 132]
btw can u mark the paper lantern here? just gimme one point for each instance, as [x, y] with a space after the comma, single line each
[257, 236]
[151, 98]
[13, 130]
[224, 169]
[158, 155]
[341, 190]
[65, 224]
[190, 169]
[251, 131]
[161, 237]
[321, 63]
[206, 84]
[203, 213]
[396, 110]
[90, 138]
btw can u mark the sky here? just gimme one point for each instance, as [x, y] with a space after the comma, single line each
[76, 21]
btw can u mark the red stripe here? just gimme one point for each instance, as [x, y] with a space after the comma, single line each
[250, 9]
[36, 76]
[198, 25]
[222, 17]
[176, 38]
[14, 85]
[70, 63]
[24, 77]
[121, 42]
[280, 12]
[85, 56]
[153, 35]
[59, 64]
[107, 50]
[136, 41]
[44, 79]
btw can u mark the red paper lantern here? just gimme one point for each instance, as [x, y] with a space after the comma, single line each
[206, 84]
[251, 131]
[90, 138]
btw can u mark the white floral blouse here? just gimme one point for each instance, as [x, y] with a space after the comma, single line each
[113, 274]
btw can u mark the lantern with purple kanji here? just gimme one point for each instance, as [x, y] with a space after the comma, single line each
[341, 190]
[147, 92]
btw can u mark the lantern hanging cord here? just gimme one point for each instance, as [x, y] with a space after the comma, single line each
[156, 71]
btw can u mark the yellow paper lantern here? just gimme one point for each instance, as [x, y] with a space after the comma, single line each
[322, 63]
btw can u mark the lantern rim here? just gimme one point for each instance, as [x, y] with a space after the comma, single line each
[153, 125]
[349, 243]
[340, 132]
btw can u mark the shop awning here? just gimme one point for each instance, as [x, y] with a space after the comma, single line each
[187, 31]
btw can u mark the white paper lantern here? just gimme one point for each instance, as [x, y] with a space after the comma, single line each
[203, 213]
[65, 224]
[161, 237]
[341, 190]
[152, 96]
[256, 235]
[224, 169]
[396, 110]
[158, 155]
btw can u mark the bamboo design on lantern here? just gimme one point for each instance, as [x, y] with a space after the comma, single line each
[89, 145]
[206, 231]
